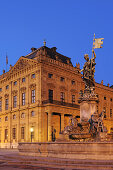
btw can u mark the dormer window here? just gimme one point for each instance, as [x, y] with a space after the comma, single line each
[50, 75]
[72, 82]
[15, 83]
[23, 79]
[62, 79]
[33, 76]
[7, 87]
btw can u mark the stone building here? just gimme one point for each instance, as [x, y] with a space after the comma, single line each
[39, 94]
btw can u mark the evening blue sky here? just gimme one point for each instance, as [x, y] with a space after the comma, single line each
[68, 25]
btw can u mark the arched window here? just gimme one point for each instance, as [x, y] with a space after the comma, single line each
[23, 115]
[14, 116]
[32, 113]
[6, 118]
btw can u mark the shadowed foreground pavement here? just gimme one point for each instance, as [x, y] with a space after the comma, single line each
[11, 160]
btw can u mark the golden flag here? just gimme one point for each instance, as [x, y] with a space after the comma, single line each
[97, 43]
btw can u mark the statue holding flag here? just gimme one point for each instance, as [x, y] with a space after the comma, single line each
[89, 66]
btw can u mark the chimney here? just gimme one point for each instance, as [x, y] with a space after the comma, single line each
[3, 71]
[11, 66]
[53, 49]
[33, 49]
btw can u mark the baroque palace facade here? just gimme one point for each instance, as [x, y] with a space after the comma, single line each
[39, 94]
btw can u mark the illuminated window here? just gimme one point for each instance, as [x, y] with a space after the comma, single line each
[23, 99]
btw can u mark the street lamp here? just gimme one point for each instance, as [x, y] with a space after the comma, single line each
[31, 130]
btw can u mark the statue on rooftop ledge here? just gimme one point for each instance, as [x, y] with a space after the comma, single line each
[89, 66]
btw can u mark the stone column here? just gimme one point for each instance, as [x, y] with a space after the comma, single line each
[62, 122]
[49, 125]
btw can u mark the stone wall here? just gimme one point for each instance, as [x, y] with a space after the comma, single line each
[71, 150]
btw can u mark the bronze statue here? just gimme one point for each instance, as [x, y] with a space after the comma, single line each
[89, 70]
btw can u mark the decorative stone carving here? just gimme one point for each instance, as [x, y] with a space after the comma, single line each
[23, 89]
[14, 92]
[32, 86]
[51, 85]
[6, 95]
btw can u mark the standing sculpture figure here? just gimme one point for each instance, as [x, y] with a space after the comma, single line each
[89, 70]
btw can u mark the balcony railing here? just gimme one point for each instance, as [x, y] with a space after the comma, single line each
[60, 103]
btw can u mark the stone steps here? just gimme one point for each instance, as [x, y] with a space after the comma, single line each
[58, 163]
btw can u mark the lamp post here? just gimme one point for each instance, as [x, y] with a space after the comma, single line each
[31, 130]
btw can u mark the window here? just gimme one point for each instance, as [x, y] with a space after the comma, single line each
[111, 99]
[6, 118]
[72, 82]
[32, 113]
[0, 105]
[110, 112]
[6, 104]
[50, 75]
[14, 116]
[97, 108]
[23, 99]
[33, 76]
[7, 87]
[14, 133]
[104, 97]
[0, 119]
[62, 79]
[23, 79]
[50, 95]
[14, 101]
[0, 89]
[73, 99]
[6, 134]
[15, 83]
[23, 115]
[33, 96]
[62, 97]
[104, 110]
[22, 132]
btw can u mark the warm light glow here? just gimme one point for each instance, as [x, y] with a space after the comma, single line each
[31, 129]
